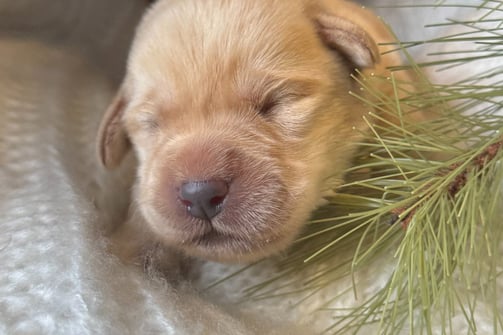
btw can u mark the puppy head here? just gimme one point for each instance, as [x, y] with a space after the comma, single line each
[238, 112]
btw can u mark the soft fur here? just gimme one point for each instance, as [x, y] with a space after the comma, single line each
[61, 61]
[252, 93]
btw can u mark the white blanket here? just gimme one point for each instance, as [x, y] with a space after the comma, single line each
[59, 63]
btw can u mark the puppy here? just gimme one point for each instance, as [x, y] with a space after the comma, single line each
[240, 116]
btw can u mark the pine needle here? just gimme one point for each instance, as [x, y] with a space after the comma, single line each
[436, 221]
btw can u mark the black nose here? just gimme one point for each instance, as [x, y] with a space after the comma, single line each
[204, 199]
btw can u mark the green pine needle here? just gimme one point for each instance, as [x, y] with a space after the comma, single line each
[425, 197]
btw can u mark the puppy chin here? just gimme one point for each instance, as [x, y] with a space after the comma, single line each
[218, 246]
[257, 217]
[241, 232]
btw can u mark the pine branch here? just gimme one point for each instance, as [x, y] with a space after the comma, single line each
[444, 256]
[405, 215]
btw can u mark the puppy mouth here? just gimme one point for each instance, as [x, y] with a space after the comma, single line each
[219, 245]
[220, 204]
[210, 234]
[210, 238]
[247, 225]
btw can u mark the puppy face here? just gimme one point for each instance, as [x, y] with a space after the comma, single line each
[240, 115]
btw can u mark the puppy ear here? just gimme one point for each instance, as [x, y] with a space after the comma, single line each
[348, 38]
[113, 142]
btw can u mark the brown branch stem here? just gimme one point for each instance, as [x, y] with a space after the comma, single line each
[460, 180]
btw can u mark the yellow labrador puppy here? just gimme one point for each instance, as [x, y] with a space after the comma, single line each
[240, 116]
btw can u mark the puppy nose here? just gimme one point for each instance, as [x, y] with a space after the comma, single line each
[204, 199]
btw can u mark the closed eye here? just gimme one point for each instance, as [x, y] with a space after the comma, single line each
[143, 121]
[274, 101]
[149, 123]
[272, 97]
[268, 104]
[147, 117]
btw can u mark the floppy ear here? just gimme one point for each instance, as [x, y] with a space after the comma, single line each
[113, 142]
[349, 39]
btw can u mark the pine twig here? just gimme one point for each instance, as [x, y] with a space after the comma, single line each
[477, 164]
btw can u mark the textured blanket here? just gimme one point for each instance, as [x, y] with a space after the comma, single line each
[60, 62]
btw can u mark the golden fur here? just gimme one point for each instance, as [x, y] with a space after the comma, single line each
[255, 93]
